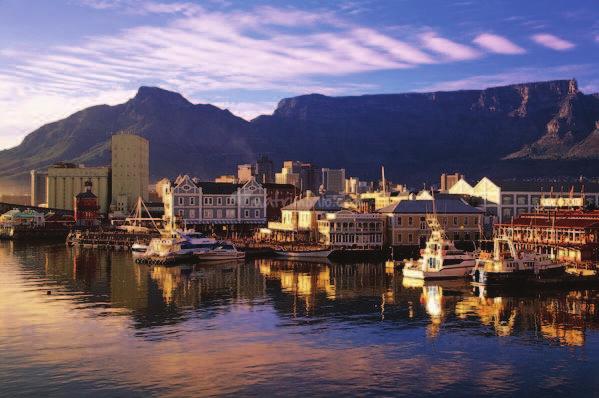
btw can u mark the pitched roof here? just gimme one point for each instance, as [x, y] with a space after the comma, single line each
[442, 206]
[314, 203]
[218, 188]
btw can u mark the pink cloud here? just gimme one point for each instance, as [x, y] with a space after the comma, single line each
[553, 42]
[451, 50]
[497, 44]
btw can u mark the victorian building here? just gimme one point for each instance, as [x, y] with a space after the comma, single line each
[225, 205]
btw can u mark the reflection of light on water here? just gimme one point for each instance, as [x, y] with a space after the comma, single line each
[494, 312]
[432, 297]
[412, 282]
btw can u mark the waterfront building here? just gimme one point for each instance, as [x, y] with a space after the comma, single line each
[508, 199]
[28, 217]
[38, 187]
[130, 170]
[449, 180]
[352, 186]
[265, 170]
[193, 202]
[383, 199]
[351, 230]
[563, 232]
[406, 220]
[159, 187]
[65, 180]
[299, 220]
[245, 172]
[333, 180]
[86, 207]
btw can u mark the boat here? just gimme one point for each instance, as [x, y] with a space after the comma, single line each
[175, 245]
[219, 252]
[506, 266]
[139, 247]
[440, 259]
[303, 253]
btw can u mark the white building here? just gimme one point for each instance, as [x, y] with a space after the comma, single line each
[194, 202]
[350, 230]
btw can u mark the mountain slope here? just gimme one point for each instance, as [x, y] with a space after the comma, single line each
[529, 129]
[183, 136]
[420, 134]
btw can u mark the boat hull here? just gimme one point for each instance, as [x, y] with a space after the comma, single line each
[304, 254]
[220, 257]
[454, 272]
[515, 277]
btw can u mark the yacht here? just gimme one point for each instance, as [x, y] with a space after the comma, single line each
[174, 245]
[506, 265]
[440, 259]
[220, 251]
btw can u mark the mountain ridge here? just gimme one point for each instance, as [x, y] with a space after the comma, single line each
[413, 134]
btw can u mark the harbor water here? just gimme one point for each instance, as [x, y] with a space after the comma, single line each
[93, 323]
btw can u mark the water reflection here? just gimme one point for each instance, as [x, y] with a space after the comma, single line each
[335, 327]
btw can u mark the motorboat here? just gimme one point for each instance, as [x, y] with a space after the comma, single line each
[505, 265]
[440, 259]
[139, 247]
[220, 251]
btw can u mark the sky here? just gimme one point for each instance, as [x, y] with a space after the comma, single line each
[60, 56]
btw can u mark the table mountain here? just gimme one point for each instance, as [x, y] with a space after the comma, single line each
[521, 130]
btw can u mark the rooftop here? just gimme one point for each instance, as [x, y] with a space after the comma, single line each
[442, 206]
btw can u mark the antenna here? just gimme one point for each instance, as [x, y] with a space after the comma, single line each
[383, 179]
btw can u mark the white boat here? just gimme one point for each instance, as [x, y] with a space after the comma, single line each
[139, 247]
[440, 258]
[177, 244]
[221, 251]
[307, 253]
[506, 266]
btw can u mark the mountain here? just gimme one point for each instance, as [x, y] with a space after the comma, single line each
[183, 137]
[530, 129]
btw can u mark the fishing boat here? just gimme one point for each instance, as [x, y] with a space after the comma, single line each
[219, 252]
[303, 252]
[506, 266]
[440, 259]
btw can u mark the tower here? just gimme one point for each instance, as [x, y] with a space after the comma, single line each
[130, 170]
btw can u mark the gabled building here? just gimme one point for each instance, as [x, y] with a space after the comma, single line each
[199, 203]
[299, 220]
[352, 230]
[406, 220]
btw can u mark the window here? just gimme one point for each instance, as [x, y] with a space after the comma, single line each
[456, 236]
[507, 213]
[246, 213]
[207, 201]
[219, 201]
[455, 221]
[181, 213]
[230, 200]
[247, 201]
[465, 220]
[256, 213]
[230, 213]
[181, 200]
[507, 199]
[521, 200]
[399, 220]
[410, 222]
[409, 238]
[192, 213]
[207, 213]
[192, 201]
[219, 213]
[256, 201]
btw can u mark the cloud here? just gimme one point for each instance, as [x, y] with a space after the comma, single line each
[451, 50]
[497, 44]
[204, 52]
[553, 42]
[515, 76]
